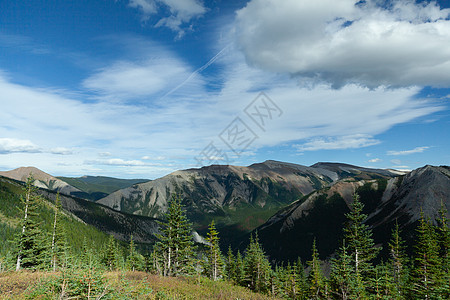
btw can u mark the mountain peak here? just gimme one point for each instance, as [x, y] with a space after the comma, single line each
[22, 174]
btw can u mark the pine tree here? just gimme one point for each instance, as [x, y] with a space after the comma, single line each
[427, 263]
[175, 245]
[316, 280]
[214, 267]
[361, 247]
[30, 242]
[256, 266]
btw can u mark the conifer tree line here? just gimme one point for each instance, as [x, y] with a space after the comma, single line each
[355, 271]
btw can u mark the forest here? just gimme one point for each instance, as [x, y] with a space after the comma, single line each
[77, 263]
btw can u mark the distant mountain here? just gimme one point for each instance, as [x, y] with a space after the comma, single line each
[42, 180]
[97, 187]
[238, 198]
[290, 232]
[87, 187]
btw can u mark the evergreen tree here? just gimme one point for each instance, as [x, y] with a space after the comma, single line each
[301, 279]
[31, 248]
[59, 243]
[398, 264]
[361, 247]
[230, 266]
[256, 266]
[427, 263]
[214, 267]
[239, 274]
[444, 245]
[109, 258]
[175, 245]
[316, 280]
[341, 277]
[134, 259]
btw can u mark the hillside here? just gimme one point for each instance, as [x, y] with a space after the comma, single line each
[290, 232]
[104, 219]
[42, 180]
[97, 187]
[10, 217]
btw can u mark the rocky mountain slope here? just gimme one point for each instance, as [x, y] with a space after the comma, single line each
[290, 232]
[42, 180]
[235, 196]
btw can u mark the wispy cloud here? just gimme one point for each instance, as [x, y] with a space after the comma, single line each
[342, 142]
[407, 152]
[150, 70]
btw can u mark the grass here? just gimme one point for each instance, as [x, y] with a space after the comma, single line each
[127, 285]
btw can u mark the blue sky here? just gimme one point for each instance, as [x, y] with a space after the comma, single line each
[141, 88]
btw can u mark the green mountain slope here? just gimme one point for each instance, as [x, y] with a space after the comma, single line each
[11, 214]
[290, 232]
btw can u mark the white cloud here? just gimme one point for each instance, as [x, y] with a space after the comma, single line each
[348, 41]
[374, 160]
[342, 142]
[407, 152]
[61, 151]
[13, 145]
[181, 12]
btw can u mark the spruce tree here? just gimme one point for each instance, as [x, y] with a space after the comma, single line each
[427, 263]
[31, 248]
[214, 267]
[361, 247]
[301, 279]
[59, 245]
[239, 274]
[316, 280]
[398, 262]
[256, 266]
[109, 258]
[444, 253]
[341, 277]
[134, 259]
[175, 245]
[230, 266]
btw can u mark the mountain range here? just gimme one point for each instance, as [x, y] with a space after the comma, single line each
[287, 204]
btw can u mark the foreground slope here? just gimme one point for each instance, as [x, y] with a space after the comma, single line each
[290, 232]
